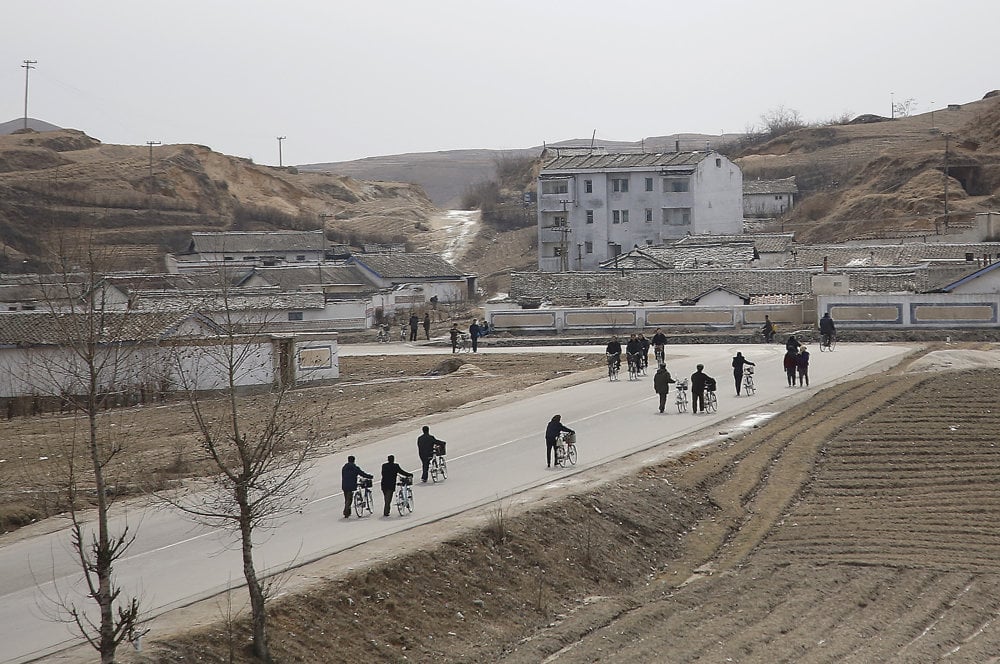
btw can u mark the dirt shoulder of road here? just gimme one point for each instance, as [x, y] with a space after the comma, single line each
[859, 524]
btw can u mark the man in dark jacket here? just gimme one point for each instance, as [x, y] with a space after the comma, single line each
[633, 352]
[390, 471]
[474, 335]
[349, 475]
[738, 363]
[661, 384]
[425, 448]
[699, 381]
[552, 431]
[644, 343]
[827, 329]
[615, 350]
[414, 323]
[427, 326]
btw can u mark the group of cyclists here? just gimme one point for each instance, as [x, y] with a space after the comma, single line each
[353, 478]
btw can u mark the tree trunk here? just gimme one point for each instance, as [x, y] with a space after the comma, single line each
[103, 553]
[257, 599]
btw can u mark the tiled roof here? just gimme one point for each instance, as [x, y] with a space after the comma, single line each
[766, 243]
[314, 277]
[783, 186]
[683, 257]
[408, 266]
[39, 329]
[257, 241]
[975, 274]
[213, 301]
[910, 253]
[681, 161]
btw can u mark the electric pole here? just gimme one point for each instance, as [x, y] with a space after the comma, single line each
[151, 144]
[280, 163]
[28, 66]
[946, 137]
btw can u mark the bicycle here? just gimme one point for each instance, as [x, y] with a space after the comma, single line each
[748, 385]
[402, 334]
[827, 342]
[660, 354]
[383, 335]
[363, 497]
[682, 395]
[566, 449]
[463, 343]
[438, 465]
[634, 365]
[614, 364]
[711, 401]
[404, 495]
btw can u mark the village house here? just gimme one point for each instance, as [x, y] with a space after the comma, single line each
[593, 205]
[415, 279]
[263, 248]
[768, 198]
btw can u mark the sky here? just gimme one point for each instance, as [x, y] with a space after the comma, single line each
[343, 80]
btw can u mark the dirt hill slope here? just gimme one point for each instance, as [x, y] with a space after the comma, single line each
[67, 181]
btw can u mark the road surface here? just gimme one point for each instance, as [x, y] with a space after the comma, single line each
[493, 451]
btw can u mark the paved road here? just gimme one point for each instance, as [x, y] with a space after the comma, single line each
[173, 562]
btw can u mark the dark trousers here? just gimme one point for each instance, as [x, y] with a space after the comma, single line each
[697, 397]
[790, 374]
[425, 462]
[348, 497]
[387, 494]
[550, 444]
[427, 332]
[663, 401]
[803, 375]
[738, 377]
[413, 334]
[475, 343]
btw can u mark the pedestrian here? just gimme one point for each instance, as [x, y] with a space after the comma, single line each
[790, 364]
[768, 329]
[661, 384]
[349, 475]
[390, 471]
[414, 323]
[426, 444]
[474, 335]
[700, 381]
[453, 332]
[802, 364]
[792, 344]
[644, 343]
[427, 325]
[738, 363]
[552, 431]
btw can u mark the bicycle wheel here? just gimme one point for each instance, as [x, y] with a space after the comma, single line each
[711, 402]
[571, 454]
[748, 385]
[359, 503]
[443, 468]
[434, 469]
[400, 500]
[368, 501]
[409, 499]
[833, 343]
[682, 402]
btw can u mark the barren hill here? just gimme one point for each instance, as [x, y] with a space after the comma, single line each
[64, 180]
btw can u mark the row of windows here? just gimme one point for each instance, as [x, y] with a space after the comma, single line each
[620, 185]
[672, 216]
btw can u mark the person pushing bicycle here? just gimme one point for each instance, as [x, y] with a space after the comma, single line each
[552, 431]
[390, 471]
[349, 475]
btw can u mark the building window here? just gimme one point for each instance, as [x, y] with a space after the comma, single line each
[559, 220]
[590, 216]
[718, 163]
[619, 184]
[588, 186]
[249, 258]
[677, 216]
[649, 215]
[300, 257]
[616, 216]
[557, 251]
[649, 184]
[294, 315]
[779, 198]
[588, 247]
[675, 185]
[555, 187]
[686, 218]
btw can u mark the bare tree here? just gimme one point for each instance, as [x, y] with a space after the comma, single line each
[260, 447]
[90, 356]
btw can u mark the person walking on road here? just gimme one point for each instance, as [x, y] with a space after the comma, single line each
[768, 329]
[661, 384]
[552, 431]
[474, 335]
[802, 364]
[738, 363]
[453, 333]
[390, 471]
[790, 363]
[427, 326]
[414, 323]
[349, 475]
[425, 448]
[700, 381]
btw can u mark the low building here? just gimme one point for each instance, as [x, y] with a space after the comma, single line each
[263, 248]
[769, 198]
[416, 279]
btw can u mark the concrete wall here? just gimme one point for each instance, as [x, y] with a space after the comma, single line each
[930, 310]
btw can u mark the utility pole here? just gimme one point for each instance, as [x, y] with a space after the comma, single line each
[280, 162]
[28, 66]
[946, 137]
[151, 144]
[892, 105]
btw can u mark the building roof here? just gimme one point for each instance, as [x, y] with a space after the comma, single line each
[677, 256]
[783, 186]
[33, 328]
[315, 277]
[683, 162]
[972, 276]
[909, 253]
[765, 243]
[235, 300]
[257, 241]
[408, 266]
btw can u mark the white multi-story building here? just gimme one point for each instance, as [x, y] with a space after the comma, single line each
[593, 206]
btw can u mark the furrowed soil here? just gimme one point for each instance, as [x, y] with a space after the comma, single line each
[862, 525]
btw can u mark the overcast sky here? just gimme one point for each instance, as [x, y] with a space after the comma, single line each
[348, 79]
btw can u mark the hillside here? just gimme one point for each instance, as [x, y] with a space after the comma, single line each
[65, 181]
